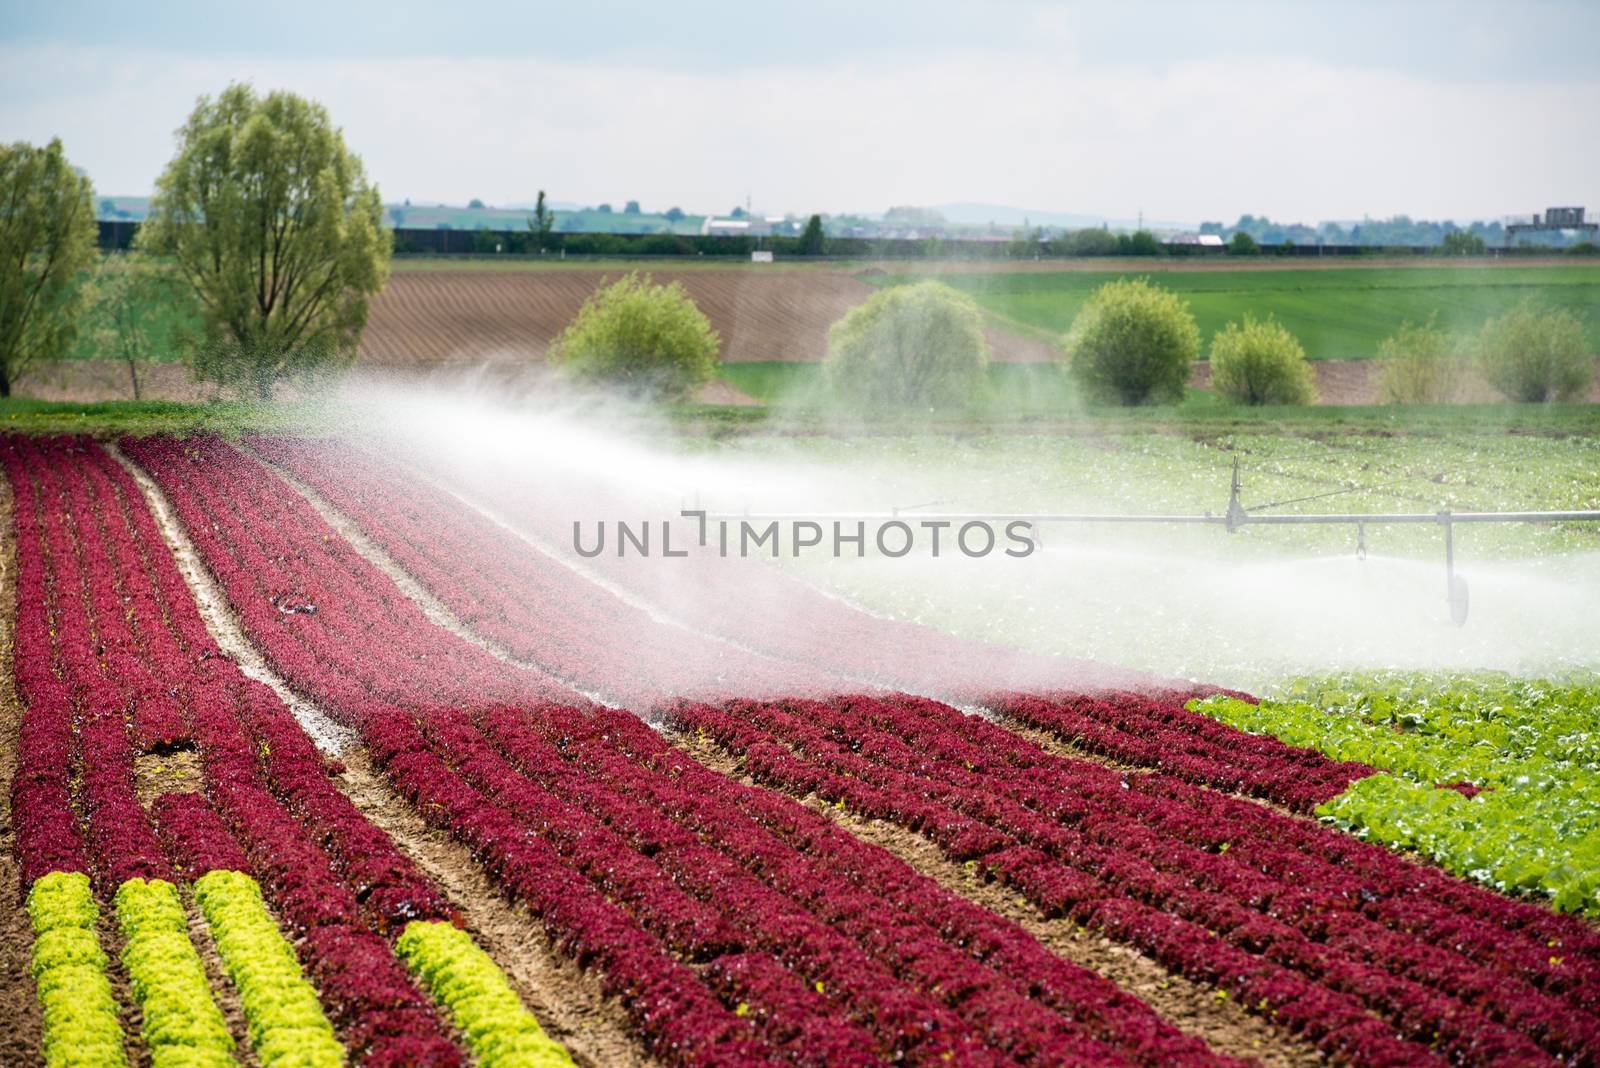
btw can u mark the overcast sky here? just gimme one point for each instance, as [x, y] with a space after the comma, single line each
[1186, 111]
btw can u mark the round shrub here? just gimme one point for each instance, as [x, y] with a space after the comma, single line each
[919, 345]
[1418, 365]
[1133, 343]
[1259, 362]
[1534, 353]
[648, 339]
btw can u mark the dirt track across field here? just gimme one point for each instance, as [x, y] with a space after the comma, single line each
[426, 318]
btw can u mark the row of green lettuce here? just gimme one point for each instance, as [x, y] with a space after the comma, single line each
[181, 1024]
[1530, 748]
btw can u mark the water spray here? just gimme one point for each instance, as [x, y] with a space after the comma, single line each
[1233, 519]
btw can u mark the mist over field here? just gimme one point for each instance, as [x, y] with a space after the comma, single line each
[1246, 609]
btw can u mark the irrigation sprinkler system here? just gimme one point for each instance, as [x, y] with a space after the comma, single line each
[1235, 518]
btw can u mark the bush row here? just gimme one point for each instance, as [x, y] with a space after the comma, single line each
[287, 1025]
[1293, 921]
[90, 562]
[181, 1021]
[462, 978]
[637, 860]
[69, 972]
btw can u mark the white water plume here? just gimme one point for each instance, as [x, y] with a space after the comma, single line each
[1192, 603]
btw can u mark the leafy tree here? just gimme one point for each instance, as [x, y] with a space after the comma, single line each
[475, 204]
[271, 219]
[141, 311]
[675, 213]
[1259, 362]
[541, 223]
[1419, 365]
[1534, 353]
[1462, 243]
[1089, 241]
[919, 345]
[631, 208]
[812, 241]
[47, 236]
[604, 209]
[1139, 243]
[649, 339]
[1242, 244]
[1133, 343]
[738, 213]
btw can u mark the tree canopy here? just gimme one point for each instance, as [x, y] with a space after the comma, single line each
[272, 220]
[1257, 362]
[1534, 354]
[47, 237]
[919, 345]
[812, 241]
[650, 340]
[1133, 343]
[141, 311]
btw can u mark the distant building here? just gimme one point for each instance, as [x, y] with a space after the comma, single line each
[1202, 240]
[735, 227]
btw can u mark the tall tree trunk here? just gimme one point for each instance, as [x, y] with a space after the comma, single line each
[133, 376]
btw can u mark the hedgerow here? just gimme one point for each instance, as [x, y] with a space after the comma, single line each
[1495, 778]
[463, 978]
[286, 1024]
[182, 1024]
[69, 971]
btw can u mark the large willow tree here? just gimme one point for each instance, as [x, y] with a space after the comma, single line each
[271, 218]
[47, 238]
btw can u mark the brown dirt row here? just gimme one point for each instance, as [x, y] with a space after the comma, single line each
[222, 990]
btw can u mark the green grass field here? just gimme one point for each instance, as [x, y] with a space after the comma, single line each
[1338, 313]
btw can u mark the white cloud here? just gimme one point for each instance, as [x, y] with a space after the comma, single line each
[1292, 139]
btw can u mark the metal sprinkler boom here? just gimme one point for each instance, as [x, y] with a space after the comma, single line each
[1235, 518]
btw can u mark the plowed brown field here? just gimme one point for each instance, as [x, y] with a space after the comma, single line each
[426, 318]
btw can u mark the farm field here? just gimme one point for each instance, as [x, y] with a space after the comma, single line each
[1336, 312]
[773, 319]
[325, 752]
[826, 633]
[1232, 608]
[1339, 312]
[430, 317]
